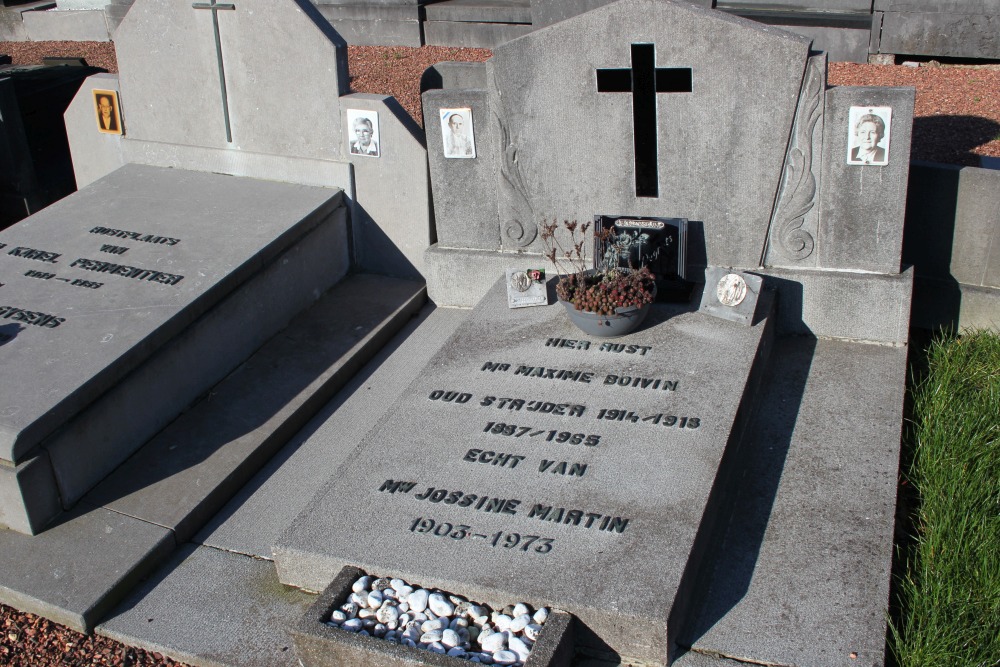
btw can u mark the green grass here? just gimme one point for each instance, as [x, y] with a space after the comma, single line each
[948, 591]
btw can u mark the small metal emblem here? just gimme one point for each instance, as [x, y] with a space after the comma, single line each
[731, 290]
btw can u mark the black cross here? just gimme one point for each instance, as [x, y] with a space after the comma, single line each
[215, 7]
[644, 80]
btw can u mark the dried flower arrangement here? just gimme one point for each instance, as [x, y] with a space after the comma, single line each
[602, 290]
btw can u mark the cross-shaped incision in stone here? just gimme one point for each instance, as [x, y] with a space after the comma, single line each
[644, 80]
[215, 7]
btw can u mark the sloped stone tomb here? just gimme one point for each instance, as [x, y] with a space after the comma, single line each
[529, 462]
[122, 303]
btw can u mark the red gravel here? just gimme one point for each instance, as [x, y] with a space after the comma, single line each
[32, 641]
[957, 112]
[957, 119]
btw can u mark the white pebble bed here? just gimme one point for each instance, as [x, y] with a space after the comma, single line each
[394, 611]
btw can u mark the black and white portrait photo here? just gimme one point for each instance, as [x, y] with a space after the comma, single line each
[456, 131]
[868, 140]
[108, 112]
[362, 132]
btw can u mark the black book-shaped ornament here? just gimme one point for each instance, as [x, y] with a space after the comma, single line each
[657, 243]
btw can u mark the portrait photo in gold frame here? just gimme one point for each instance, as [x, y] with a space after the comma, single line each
[109, 117]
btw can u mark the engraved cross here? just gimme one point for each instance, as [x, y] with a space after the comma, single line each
[215, 7]
[644, 80]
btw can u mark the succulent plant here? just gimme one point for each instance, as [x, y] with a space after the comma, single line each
[600, 290]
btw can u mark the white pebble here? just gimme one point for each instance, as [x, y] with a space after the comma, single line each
[361, 584]
[531, 631]
[418, 599]
[338, 616]
[431, 636]
[353, 624]
[475, 611]
[540, 615]
[375, 599]
[387, 614]
[419, 616]
[359, 599]
[502, 621]
[440, 605]
[496, 641]
[437, 647]
[397, 584]
[404, 619]
[505, 657]
[436, 624]
[520, 608]
[450, 638]
[404, 606]
[520, 622]
[350, 609]
[366, 613]
[519, 647]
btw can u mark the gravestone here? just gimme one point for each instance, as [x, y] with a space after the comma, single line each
[549, 456]
[474, 483]
[126, 300]
[225, 195]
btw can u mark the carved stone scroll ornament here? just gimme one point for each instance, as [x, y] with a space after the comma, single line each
[798, 191]
[516, 214]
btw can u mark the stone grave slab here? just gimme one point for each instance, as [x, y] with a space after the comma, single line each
[526, 459]
[98, 283]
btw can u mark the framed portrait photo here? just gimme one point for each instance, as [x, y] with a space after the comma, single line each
[869, 129]
[362, 133]
[457, 134]
[109, 114]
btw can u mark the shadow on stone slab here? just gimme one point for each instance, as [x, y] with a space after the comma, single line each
[320, 645]
[731, 555]
[191, 468]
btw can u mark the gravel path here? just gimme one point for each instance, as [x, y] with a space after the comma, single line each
[957, 120]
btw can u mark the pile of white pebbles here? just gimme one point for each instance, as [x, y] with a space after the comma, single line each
[392, 610]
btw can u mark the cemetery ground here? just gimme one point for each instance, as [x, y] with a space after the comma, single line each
[947, 586]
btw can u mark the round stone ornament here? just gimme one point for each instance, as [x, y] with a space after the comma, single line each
[731, 290]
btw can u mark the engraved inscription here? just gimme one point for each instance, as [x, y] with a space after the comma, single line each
[40, 275]
[113, 249]
[133, 272]
[506, 540]
[545, 407]
[499, 428]
[493, 458]
[641, 350]
[641, 383]
[37, 255]
[563, 468]
[135, 236]
[32, 317]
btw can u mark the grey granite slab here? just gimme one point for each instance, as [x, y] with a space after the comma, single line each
[183, 476]
[801, 575]
[569, 149]
[481, 11]
[265, 114]
[862, 206]
[545, 455]
[78, 569]
[959, 34]
[211, 608]
[77, 340]
[255, 518]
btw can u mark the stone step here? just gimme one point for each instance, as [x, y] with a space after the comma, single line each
[76, 571]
